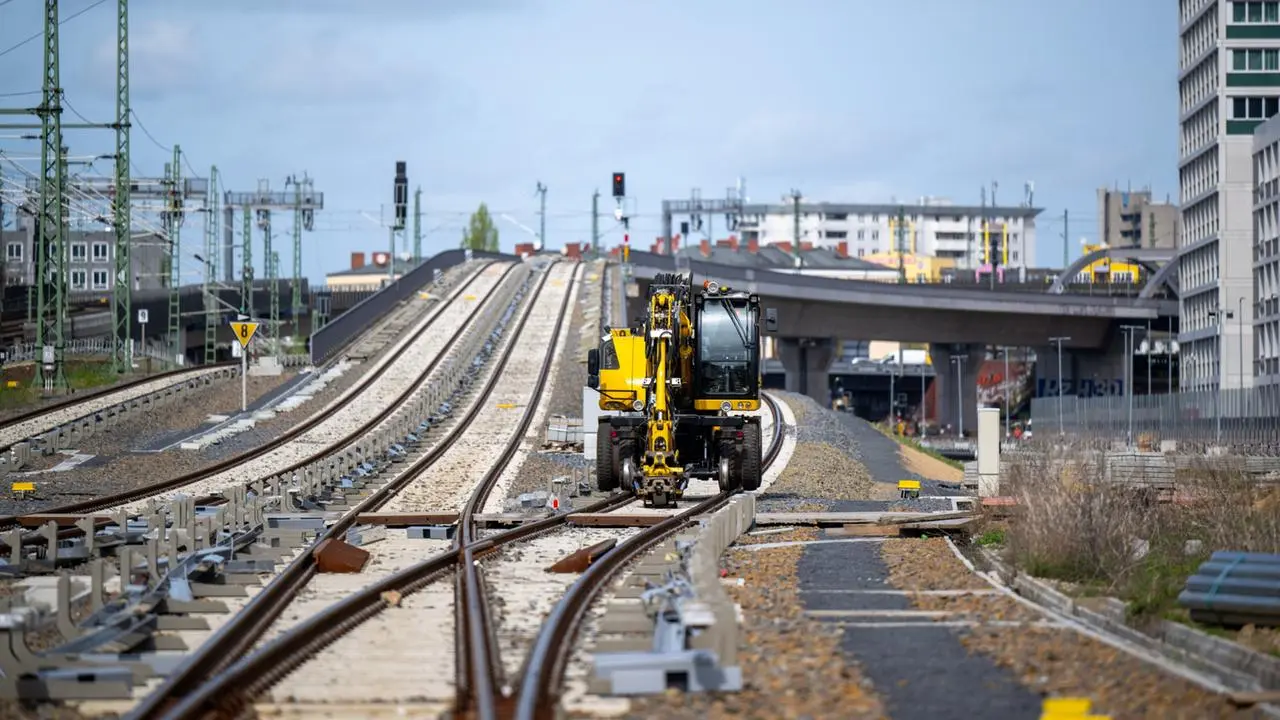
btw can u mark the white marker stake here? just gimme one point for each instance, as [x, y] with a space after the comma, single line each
[244, 380]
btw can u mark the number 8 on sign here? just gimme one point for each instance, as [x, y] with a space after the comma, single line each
[244, 332]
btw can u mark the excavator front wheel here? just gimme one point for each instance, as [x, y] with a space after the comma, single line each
[606, 471]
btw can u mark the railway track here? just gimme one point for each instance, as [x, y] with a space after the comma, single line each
[202, 682]
[41, 420]
[417, 632]
[342, 423]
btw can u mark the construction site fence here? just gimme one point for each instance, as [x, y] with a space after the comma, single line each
[339, 332]
[1243, 418]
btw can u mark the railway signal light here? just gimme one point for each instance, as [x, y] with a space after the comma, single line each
[619, 185]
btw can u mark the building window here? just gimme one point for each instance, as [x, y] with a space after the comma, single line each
[79, 280]
[79, 252]
[875, 234]
[862, 234]
[1255, 12]
[835, 234]
[99, 278]
[100, 253]
[14, 252]
[1255, 59]
[861, 252]
[1254, 108]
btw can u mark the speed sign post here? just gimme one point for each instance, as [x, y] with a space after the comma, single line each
[244, 332]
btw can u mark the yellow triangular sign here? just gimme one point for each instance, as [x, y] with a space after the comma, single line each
[244, 332]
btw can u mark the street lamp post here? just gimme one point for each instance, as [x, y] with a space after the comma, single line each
[1218, 317]
[1005, 351]
[958, 361]
[1058, 341]
[1129, 340]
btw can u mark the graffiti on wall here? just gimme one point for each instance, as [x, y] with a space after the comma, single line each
[1088, 387]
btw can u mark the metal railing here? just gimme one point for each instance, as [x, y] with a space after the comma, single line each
[29, 352]
[1245, 418]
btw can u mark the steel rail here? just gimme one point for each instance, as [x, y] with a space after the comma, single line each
[475, 689]
[78, 398]
[208, 683]
[288, 436]
[545, 664]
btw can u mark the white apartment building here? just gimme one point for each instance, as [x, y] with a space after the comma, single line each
[1229, 82]
[935, 228]
[1266, 254]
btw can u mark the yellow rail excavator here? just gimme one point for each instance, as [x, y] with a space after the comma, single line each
[678, 390]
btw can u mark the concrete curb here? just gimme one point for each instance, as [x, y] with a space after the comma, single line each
[1231, 664]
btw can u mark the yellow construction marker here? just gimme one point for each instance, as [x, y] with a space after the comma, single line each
[593, 277]
[11, 384]
[21, 487]
[506, 406]
[469, 298]
[557, 283]
[1069, 709]
[909, 489]
[425, 296]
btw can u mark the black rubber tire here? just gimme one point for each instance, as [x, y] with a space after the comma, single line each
[750, 469]
[606, 473]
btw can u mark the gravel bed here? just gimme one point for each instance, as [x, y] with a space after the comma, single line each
[564, 395]
[861, 452]
[111, 395]
[1049, 661]
[792, 666]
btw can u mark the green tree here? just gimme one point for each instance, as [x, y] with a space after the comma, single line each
[480, 233]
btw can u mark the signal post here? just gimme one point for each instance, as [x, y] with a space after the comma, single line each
[244, 332]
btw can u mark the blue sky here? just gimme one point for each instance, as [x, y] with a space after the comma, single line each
[846, 100]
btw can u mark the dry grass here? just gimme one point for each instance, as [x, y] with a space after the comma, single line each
[1117, 538]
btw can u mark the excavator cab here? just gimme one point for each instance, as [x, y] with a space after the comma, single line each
[727, 350]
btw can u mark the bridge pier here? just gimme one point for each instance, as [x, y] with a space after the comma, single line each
[953, 405]
[807, 361]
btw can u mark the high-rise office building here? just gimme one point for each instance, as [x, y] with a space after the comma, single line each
[1228, 83]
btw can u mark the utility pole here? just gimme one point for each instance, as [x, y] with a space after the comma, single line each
[51, 276]
[542, 216]
[595, 223]
[795, 205]
[173, 228]
[246, 261]
[417, 226]
[269, 267]
[122, 201]
[1066, 237]
[303, 219]
[900, 240]
[212, 229]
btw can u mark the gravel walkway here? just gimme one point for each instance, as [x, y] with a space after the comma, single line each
[792, 666]
[1047, 661]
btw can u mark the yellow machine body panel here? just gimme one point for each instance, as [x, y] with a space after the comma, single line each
[715, 406]
[623, 368]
